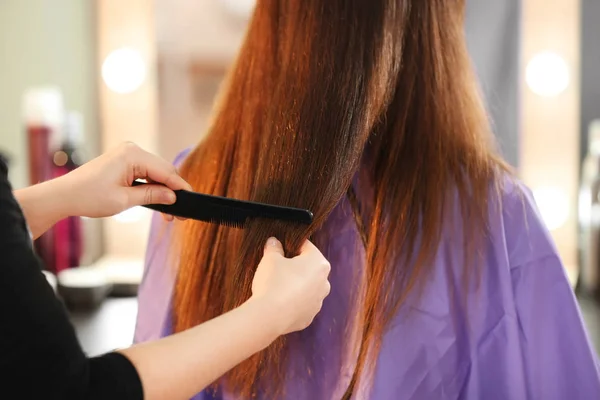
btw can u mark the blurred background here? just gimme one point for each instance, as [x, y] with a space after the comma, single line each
[79, 77]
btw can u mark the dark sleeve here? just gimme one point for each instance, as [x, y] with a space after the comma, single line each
[40, 356]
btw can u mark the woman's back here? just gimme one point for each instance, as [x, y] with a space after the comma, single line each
[518, 336]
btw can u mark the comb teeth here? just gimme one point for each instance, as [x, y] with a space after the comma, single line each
[227, 216]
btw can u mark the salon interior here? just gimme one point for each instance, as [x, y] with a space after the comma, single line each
[79, 77]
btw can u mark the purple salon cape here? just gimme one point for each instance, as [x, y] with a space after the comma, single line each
[520, 336]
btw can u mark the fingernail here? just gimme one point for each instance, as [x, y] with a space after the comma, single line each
[272, 242]
[170, 197]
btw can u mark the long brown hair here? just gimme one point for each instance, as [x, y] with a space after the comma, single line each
[315, 84]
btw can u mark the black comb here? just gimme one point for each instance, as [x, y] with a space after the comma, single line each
[226, 211]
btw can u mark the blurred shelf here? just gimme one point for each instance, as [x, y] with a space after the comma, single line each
[111, 324]
[126, 271]
[106, 328]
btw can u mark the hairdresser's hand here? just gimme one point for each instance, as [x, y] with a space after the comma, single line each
[295, 287]
[102, 187]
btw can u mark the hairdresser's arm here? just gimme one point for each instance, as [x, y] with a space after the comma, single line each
[197, 357]
[100, 188]
[41, 357]
[191, 360]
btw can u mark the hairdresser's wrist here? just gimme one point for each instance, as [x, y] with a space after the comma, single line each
[82, 196]
[270, 316]
[67, 195]
[44, 205]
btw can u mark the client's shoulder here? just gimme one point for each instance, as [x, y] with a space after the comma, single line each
[520, 222]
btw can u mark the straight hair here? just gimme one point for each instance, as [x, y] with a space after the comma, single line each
[318, 86]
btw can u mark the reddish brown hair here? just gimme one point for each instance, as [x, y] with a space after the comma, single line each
[314, 82]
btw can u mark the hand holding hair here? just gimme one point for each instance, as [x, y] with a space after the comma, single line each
[287, 293]
[296, 287]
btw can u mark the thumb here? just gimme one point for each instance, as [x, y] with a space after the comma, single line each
[150, 194]
[274, 246]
